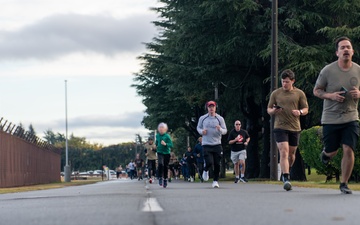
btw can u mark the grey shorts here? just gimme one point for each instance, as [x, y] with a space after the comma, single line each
[237, 156]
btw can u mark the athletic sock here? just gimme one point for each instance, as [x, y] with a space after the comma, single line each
[286, 177]
[242, 175]
[237, 177]
[342, 184]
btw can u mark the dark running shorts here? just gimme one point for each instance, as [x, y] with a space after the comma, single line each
[292, 137]
[335, 135]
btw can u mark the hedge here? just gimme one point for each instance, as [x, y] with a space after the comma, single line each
[310, 148]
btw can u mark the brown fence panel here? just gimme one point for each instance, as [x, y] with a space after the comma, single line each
[23, 163]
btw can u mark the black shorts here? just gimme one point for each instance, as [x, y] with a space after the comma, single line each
[335, 135]
[292, 137]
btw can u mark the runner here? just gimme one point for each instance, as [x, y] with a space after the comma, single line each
[119, 172]
[287, 104]
[239, 139]
[139, 163]
[338, 84]
[163, 147]
[212, 126]
[172, 166]
[190, 161]
[150, 152]
[199, 156]
[131, 167]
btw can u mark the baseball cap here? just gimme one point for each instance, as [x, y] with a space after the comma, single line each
[210, 103]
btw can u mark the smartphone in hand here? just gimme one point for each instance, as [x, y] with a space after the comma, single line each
[344, 90]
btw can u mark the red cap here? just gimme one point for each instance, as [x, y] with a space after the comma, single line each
[209, 103]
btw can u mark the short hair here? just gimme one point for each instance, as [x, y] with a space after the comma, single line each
[164, 125]
[288, 74]
[340, 39]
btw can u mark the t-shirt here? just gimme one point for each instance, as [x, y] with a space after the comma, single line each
[288, 100]
[332, 78]
[139, 163]
[131, 166]
[238, 146]
[150, 151]
[213, 135]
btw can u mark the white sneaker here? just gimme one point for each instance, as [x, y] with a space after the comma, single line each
[205, 175]
[215, 184]
[191, 179]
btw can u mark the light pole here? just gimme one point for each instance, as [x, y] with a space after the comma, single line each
[67, 170]
[274, 85]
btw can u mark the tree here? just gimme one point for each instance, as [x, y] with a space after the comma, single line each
[205, 44]
[32, 130]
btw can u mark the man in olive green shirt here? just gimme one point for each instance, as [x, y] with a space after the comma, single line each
[150, 152]
[287, 104]
[338, 84]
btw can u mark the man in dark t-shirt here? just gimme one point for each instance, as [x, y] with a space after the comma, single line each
[238, 140]
[139, 162]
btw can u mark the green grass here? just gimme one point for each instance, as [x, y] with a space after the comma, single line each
[313, 181]
[49, 186]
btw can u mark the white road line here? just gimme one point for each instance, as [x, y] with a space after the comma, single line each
[152, 205]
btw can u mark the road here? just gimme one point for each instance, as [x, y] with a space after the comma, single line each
[130, 202]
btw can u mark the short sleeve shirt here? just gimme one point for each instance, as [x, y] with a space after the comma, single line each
[238, 146]
[288, 100]
[139, 163]
[332, 79]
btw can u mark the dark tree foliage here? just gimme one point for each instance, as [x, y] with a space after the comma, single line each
[203, 44]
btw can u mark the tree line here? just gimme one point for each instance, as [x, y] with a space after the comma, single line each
[206, 45]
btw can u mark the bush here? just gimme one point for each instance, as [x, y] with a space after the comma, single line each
[311, 146]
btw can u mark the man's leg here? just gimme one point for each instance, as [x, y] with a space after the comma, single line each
[237, 169]
[243, 167]
[347, 163]
[217, 159]
[284, 157]
[292, 155]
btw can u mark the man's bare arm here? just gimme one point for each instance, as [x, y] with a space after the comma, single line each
[321, 93]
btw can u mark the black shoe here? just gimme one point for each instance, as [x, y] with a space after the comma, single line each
[243, 179]
[236, 180]
[165, 184]
[345, 189]
[287, 186]
[324, 158]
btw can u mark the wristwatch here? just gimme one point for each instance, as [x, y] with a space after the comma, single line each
[301, 112]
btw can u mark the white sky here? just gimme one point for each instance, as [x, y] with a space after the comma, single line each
[92, 44]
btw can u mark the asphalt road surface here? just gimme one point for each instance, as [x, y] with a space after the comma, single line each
[131, 202]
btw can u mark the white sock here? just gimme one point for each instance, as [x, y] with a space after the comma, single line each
[242, 175]
[237, 177]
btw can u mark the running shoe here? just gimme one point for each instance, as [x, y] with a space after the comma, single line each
[205, 175]
[215, 184]
[170, 180]
[165, 183]
[236, 180]
[150, 181]
[160, 182]
[243, 179]
[324, 158]
[191, 179]
[287, 186]
[345, 189]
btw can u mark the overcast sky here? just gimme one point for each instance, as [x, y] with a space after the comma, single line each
[93, 44]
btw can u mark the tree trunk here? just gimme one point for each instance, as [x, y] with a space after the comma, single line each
[253, 115]
[265, 156]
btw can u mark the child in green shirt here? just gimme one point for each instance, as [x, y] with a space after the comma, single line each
[163, 147]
